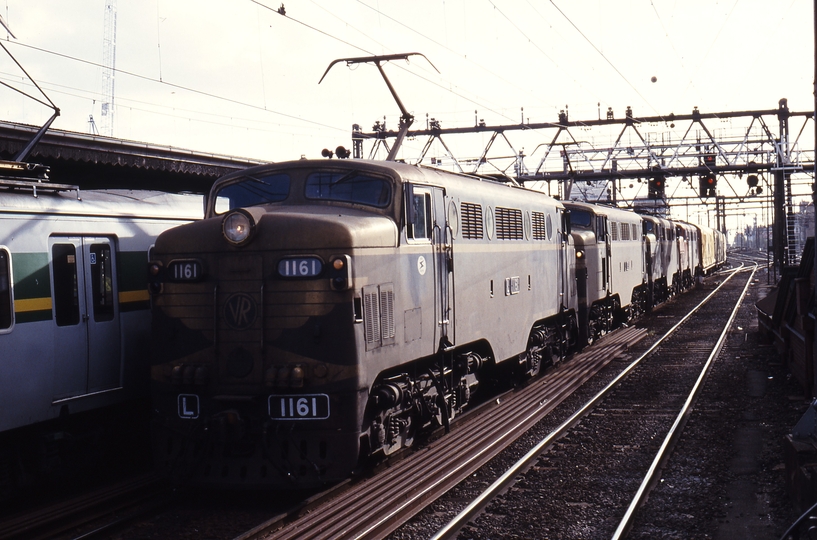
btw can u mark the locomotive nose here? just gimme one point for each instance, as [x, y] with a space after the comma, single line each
[227, 426]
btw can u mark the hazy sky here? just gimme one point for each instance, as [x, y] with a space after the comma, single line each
[235, 77]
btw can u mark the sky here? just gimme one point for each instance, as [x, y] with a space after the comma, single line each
[238, 78]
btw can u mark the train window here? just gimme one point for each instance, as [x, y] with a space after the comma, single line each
[252, 191]
[5, 290]
[581, 219]
[102, 282]
[635, 231]
[352, 187]
[420, 228]
[66, 294]
[601, 232]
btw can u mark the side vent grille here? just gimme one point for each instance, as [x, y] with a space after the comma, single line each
[471, 221]
[509, 224]
[539, 232]
[378, 315]
[387, 312]
[371, 316]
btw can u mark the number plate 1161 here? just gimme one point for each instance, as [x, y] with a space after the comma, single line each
[299, 407]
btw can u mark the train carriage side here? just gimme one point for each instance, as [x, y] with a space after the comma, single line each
[74, 305]
[720, 249]
[346, 318]
[687, 237]
[662, 258]
[671, 261]
[512, 267]
[611, 267]
[709, 241]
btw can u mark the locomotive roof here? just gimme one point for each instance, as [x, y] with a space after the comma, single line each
[602, 209]
[402, 172]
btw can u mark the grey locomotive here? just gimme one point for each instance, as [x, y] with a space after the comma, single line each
[325, 310]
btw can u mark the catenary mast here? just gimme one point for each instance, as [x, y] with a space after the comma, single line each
[109, 68]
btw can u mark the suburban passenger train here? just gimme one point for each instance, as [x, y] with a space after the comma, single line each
[74, 305]
[328, 310]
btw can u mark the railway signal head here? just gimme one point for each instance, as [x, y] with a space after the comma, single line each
[708, 185]
[655, 187]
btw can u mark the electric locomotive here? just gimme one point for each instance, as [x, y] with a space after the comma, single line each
[611, 273]
[328, 310]
[662, 258]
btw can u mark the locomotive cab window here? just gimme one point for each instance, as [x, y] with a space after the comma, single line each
[601, 232]
[5, 290]
[351, 187]
[581, 219]
[419, 218]
[252, 191]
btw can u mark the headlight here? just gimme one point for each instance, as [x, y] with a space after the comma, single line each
[579, 254]
[238, 227]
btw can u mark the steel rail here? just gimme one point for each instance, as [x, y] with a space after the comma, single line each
[477, 505]
[379, 505]
[677, 426]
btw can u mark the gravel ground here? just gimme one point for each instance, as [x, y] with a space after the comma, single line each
[725, 479]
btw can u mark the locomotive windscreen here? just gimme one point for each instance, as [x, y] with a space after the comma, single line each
[352, 187]
[581, 219]
[252, 191]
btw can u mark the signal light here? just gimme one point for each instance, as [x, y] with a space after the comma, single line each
[708, 185]
[655, 187]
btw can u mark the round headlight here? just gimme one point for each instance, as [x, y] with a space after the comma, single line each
[237, 227]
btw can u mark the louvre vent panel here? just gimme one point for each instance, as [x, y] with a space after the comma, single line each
[613, 231]
[539, 231]
[371, 318]
[387, 312]
[509, 224]
[471, 221]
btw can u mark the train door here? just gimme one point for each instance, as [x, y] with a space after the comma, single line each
[605, 251]
[86, 313]
[428, 224]
[442, 240]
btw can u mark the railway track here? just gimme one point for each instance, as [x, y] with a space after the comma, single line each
[91, 514]
[592, 467]
[376, 506]
[373, 507]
